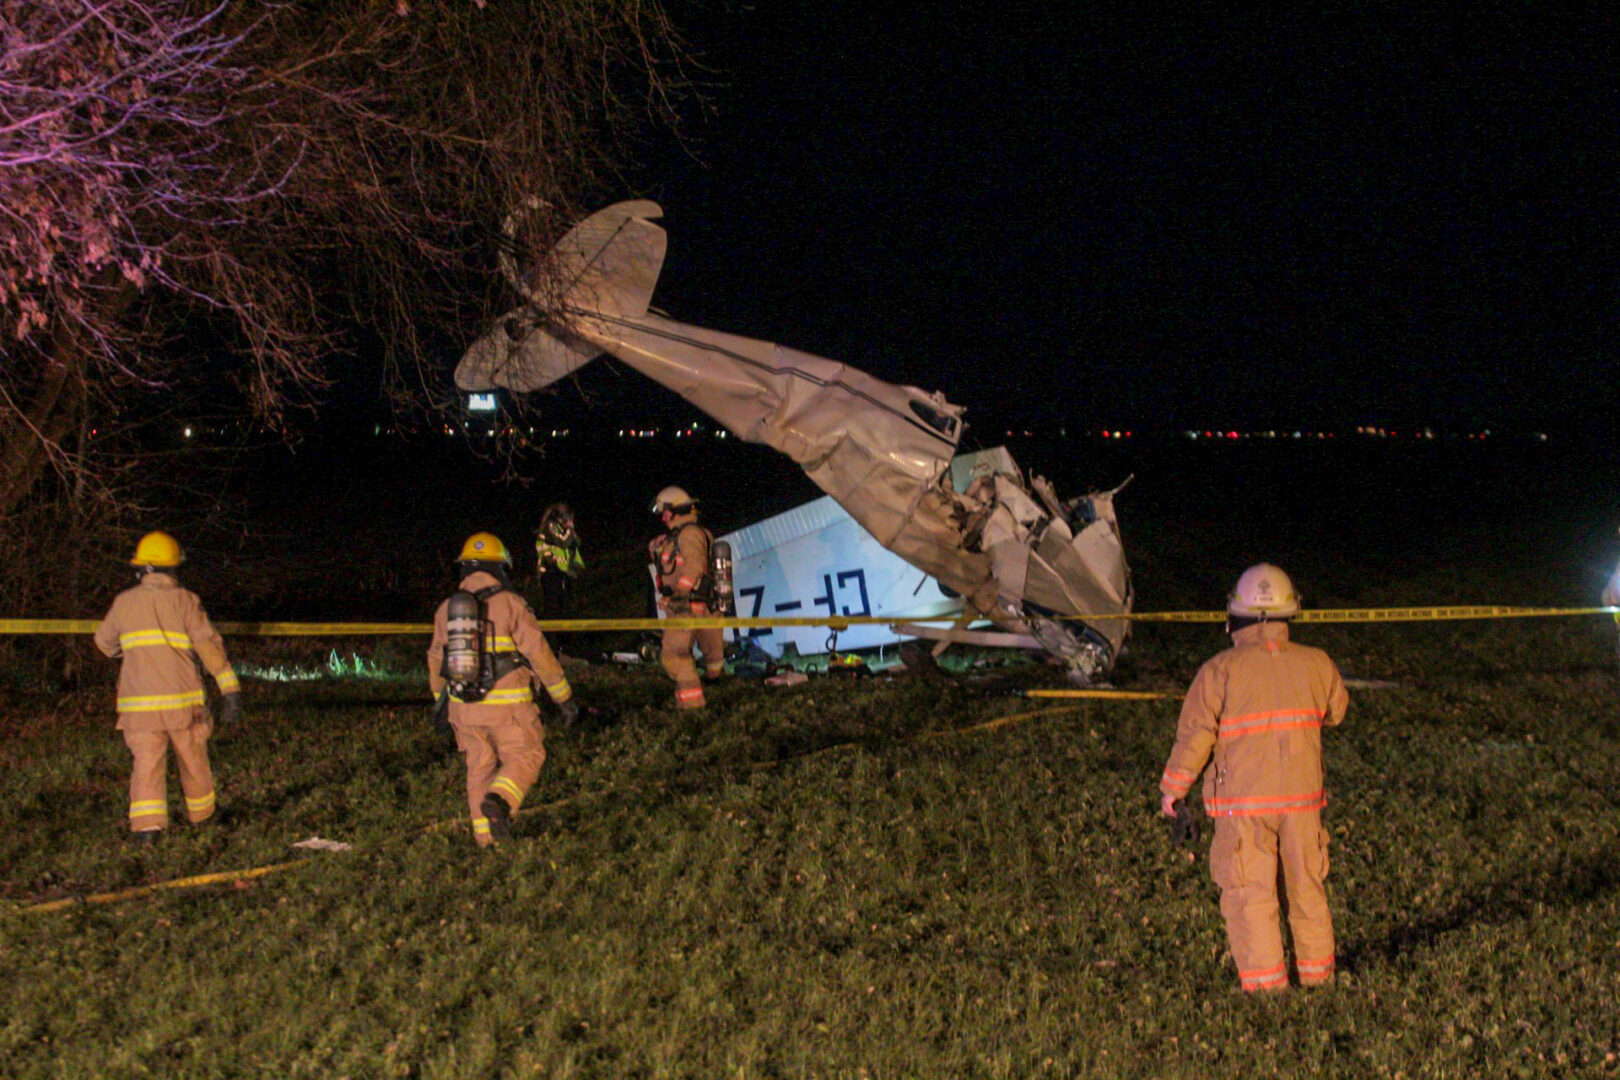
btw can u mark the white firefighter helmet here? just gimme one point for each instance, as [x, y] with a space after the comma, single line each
[672, 498]
[1263, 592]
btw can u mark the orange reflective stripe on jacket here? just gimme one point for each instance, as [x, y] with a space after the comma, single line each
[1256, 805]
[1232, 727]
[1176, 782]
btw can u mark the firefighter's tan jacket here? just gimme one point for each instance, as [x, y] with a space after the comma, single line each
[511, 627]
[681, 557]
[1258, 709]
[162, 632]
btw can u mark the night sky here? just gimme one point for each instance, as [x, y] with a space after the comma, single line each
[1163, 222]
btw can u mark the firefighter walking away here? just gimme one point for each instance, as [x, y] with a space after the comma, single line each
[687, 585]
[1258, 709]
[486, 652]
[164, 640]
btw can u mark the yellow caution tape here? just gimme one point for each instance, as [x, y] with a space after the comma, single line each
[832, 622]
[47, 626]
[1367, 615]
[1440, 614]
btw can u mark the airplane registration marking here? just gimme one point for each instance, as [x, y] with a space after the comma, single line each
[836, 586]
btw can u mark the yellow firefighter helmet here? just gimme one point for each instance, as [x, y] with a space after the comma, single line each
[484, 547]
[1263, 592]
[158, 549]
[674, 499]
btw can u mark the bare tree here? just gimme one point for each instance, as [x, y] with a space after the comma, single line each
[203, 204]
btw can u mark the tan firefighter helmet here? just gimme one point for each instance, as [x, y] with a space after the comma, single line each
[1263, 592]
[673, 499]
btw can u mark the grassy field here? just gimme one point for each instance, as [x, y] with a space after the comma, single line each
[843, 879]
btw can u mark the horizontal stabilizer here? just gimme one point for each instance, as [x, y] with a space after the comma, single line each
[521, 356]
[607, 266]
[609, 263]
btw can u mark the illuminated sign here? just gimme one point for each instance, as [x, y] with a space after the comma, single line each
[480, 402]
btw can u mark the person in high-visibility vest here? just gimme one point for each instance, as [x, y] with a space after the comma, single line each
[684, 577]
[1258, 710]
[558, 560]
[486, 653]
[160, 633]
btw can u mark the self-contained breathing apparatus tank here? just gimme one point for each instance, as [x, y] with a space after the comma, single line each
[464, 646]
[725, 598]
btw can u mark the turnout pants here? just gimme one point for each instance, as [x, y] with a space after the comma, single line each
[1244, 860]
[503, 759]
[148, 779]
[677, 660]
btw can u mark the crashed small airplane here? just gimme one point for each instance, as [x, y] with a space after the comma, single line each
[1045, 571]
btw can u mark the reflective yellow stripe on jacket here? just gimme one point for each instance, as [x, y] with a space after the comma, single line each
[138, 639]
[515, 696]
[160, 702]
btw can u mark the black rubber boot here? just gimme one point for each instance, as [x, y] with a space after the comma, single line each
[494, 808]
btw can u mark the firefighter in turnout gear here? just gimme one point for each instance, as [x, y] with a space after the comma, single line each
[1258, 709]
[165, 641]
[486, 652]
[684, 578]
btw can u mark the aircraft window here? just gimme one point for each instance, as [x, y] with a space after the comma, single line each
[945, 425]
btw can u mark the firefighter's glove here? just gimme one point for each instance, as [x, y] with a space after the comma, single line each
[567, 713]
[230, 710]
[1186, 830]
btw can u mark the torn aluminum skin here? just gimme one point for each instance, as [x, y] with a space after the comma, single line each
[1035, 566]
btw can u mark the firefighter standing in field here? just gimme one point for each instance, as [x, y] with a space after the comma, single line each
[556, 549]
[164, 638]
[682, 570]
[1259, 708]
[490, 700]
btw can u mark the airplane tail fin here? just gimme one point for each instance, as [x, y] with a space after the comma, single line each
[607, 265]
